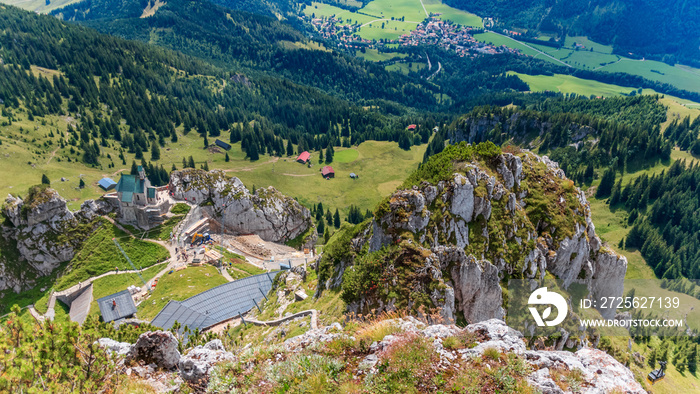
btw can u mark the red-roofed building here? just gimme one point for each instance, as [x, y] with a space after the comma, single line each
[327, 172]
[304, 157]
[411, 127]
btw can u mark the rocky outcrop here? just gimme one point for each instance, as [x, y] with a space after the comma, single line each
[44, 232]
[157, 347]
[195, 365]
[512, 215]
[267, 213]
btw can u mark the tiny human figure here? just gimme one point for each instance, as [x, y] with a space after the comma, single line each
[116, 269]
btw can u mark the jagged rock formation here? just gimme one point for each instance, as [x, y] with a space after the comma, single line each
[598, 372]
[457, 237]
[44, 232]
[267, 213]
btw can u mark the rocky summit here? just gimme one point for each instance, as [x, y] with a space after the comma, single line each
[267, 213]
[446, 239]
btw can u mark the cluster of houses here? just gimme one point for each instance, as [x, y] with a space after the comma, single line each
[433, 31]
[450, 36]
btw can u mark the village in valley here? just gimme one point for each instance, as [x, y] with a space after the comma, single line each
[432, 31]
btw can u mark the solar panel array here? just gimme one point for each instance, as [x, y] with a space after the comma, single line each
[216, 305]
[116, 306]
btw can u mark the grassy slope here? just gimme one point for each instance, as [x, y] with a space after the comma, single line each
[99, 254]
[375, 56]
[39, 5]
[611, 227]
[678, 108]
[179, 286]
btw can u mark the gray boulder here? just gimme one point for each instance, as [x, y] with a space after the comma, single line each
[195, 365]
[120, 348]
[156, 347]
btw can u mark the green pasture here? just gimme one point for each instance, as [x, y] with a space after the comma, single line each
[381, 167]
[454, 15]
[406, 67]
[374, 55]
[41, 6]
[410, 10]
[569, 84]
[323, 10]
[499, 40]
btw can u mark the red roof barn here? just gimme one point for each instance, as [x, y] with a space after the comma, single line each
[411, 127]
[327, 172]
[304, 157]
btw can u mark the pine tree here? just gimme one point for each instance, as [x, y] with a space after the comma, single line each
[173, 168]
[45, 180]
[205, 167]
[134, 168]
[336, 219]
[692, 358]
[652, 358]
[329, 217]
[227, 159]
[190, 162]
[290, 148]
[320, 156]
[138, 152]
[320, 226]
[326, 236]
[606, 184]
[329, 154]
[81, 184]
[206, 142]
[155, 152]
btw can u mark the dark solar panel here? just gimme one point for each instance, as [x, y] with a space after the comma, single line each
[216, 305]
[116, 306]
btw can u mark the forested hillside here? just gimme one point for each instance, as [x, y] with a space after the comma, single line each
[665, 30]
[233, 40]
[102, 81]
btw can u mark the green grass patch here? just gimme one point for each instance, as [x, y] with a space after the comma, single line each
[179, 286]
[570, 84]
[454, 15]
[163, 231]
[99, 254]
[405, 68]
[346, 156]
[180, 209]
[377, 163]
[116, 283]
[374, 55]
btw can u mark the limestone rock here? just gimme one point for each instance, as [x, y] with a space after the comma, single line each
[267, 213]
[120, 348]
[195, 365]
[157, 347]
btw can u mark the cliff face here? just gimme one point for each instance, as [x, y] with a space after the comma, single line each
[474, 128]
[488, 218]
[267, 213]
[44, 234]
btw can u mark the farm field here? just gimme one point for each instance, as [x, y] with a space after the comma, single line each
[381, 167]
